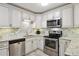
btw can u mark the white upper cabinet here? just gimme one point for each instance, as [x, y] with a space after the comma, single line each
[57, 14]
[32, 17]
[38, 21]
[67, 17]
[30, 45]
[4, 16]
[76, 15]
[25, 16]
[44, 21]
[16, 18]
[50, 16]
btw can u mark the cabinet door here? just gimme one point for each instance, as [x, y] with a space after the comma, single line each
[34, 43]
[4, 17]
[44, 21]
[41, 43]
[61, 47]
[32, 17]
[50, 16]
[76, 15]
[16, 18]
[63, 44]
[25, 16]
[57, 14]
[38, 21]
[28, 46]
[4, 52]
[67, 17]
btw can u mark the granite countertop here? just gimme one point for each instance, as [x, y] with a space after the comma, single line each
[9, 38]
[69, 38]
[73, 48]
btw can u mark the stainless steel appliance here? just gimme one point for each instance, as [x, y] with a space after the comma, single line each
[54, 23]
[52, 42]
[51, 46]
[17, 47]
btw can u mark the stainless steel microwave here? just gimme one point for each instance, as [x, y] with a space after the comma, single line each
[56, 23]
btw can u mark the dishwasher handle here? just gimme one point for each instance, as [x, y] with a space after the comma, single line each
[17, 41]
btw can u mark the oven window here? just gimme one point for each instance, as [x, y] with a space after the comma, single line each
[50, 43]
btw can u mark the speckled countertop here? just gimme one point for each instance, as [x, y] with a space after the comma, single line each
[73, 48]
[9, 38]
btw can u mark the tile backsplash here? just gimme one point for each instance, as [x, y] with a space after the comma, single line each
[42, 30]
[4, 31]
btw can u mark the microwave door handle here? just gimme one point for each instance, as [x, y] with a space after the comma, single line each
[57, 22]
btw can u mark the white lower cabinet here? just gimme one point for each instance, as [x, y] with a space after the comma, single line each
[31, 45]
[34, 43]
[4, 52]
[63, 44]
[28, 46]
[41, 43]
[4, 49]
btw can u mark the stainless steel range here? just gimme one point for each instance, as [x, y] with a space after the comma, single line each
[52, 42]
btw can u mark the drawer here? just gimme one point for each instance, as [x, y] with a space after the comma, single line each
[4, 44]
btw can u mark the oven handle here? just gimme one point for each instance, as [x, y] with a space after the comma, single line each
[51, 39]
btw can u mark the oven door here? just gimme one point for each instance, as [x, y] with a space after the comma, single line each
[51, 44]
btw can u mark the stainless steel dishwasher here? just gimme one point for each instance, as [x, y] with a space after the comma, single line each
[17, 47]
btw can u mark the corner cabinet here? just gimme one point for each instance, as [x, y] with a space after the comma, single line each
[4, 16]
[34, 43]
[16, 19]
[67, 17]
[30, 45]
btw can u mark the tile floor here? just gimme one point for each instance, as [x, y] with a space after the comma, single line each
[37, 53]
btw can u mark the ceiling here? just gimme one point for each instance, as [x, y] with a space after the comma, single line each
[37, 7]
